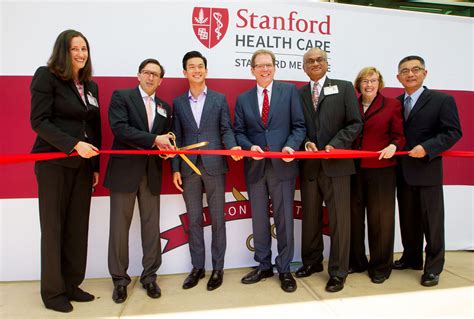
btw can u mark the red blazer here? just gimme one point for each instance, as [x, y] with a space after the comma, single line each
[383, 125]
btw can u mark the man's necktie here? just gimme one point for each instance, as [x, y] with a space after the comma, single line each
[407, 107]
[315, 95]
[265, 107]
[149, 112]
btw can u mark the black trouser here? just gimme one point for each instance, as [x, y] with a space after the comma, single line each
[64, 196]
[373, 190]
[421, 210]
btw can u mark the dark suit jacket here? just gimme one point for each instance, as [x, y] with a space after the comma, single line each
[215, 128]
[285, 127]
[61, 118]
[434, 124]
[383, 125]
[337, 122]
[129, 124]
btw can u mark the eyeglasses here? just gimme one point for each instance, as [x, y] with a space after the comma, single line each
[150, 73]
[415, 70]
[311, 61]
[263, 66]
[366, 82]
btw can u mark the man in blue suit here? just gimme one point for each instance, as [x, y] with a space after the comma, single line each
[203, 115]
[269, 118]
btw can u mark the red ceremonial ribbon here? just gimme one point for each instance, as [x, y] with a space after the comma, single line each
[335, 153]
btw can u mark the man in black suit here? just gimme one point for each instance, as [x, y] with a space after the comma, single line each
[333, 120]
[137, 118]
[431, 127]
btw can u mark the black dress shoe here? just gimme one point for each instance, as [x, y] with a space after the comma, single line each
[120, 294]
[400, 265]
[429, 280]
[60, 306]
[335, 284]
[193, 278]
[80, 295]
[257, 275]
[152, 290]
[216, 280]
[288, 283]
[308, 270]
[378, 279]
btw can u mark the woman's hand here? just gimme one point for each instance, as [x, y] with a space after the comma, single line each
[388, 152]
[86, 150]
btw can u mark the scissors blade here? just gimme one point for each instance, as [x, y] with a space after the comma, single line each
[191, 146]
[191, 164]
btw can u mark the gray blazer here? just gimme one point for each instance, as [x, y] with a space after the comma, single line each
[215, 128]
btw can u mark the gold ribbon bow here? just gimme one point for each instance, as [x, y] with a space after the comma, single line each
[184, 148]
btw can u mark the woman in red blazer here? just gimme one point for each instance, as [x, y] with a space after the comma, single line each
[373, 185]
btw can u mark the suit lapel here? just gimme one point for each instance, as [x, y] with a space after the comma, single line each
[274, 101]
[73, 87]
[374, 108]
[137, 100]
[187, 111]
[254, 105]
[327, 83]
[208, 104]
[160, 121]
[308, 100]
[420, 103]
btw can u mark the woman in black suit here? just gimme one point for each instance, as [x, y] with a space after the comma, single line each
[65, 115]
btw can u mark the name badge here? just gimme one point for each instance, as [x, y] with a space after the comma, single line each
[330, 90]
[161, 110]
[92, 100]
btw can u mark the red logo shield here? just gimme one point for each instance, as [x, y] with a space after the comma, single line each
[210, 25]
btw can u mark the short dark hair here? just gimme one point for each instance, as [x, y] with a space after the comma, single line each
[193, 54]
[154, 61]
[410, 58]
[60, 62]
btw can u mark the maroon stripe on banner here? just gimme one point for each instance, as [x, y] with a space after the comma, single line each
[17, 137]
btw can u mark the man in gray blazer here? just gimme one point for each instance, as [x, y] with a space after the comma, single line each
[202, 115]
[333, 120]
[137, 117]
[268, 117]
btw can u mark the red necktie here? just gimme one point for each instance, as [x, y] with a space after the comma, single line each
[265, 107]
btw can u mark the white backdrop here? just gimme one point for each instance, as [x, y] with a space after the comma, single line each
[123, 33]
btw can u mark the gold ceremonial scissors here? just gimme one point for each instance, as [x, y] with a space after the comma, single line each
[187, 147]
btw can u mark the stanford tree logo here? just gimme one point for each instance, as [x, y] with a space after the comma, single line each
[210, 25]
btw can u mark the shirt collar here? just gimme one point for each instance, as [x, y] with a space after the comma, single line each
[415, 95]
[203, 94]
[144, 94]
[320, 82]
[260, 89]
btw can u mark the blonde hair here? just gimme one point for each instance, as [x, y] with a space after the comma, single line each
[369, 70]
[262, 51]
